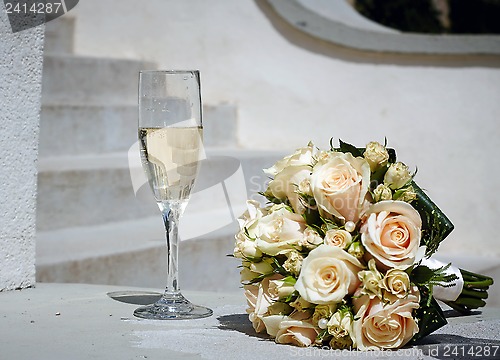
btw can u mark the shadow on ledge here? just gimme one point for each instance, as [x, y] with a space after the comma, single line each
[135, 297]
[240, 323]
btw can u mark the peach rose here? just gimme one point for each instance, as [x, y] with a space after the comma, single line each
[328, 273]
[258, 300]
[384, 326]
[340, 184]
[291, 330]
[391, 233]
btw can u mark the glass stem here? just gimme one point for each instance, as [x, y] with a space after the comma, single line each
[171, 212]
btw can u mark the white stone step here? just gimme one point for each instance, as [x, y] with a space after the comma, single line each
[133, 253]
[91, 129]
[59, 35]
[86, 129]
[77, 80]
[95, 189]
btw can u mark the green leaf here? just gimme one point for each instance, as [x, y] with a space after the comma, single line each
[421, 275]
[392, 155]
[377, 177]
[272, 199]
[348, 148]
[435, 225]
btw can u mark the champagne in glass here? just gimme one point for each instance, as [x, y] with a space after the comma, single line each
[171, 145]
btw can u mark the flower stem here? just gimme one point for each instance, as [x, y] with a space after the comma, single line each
[475, 289]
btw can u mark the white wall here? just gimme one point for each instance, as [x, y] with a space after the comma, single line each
[20, 92]
[440, 113]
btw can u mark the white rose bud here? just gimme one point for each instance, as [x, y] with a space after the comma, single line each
[376, 154]
[300, 304]
[294, 263]
[339, 238]
[356, 250]
[340, 326]
[323, 311]
[341, 343]
[280, 288]
[311, 239]
[371, 280]
[396, 283]
[382, 192]
[397, 175]
[262, 267]
[304, 187]
[408, 195]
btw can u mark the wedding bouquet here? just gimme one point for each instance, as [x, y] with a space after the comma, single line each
[341, 256]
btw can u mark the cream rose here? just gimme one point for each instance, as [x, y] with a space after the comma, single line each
[340, 185]
[286, 185]
[339, 238]
[311, 239]
[396, 283]
[280, 288]
[328, 274]
[388, 326]
[245, 238]
[252, 270]
[391, 233]
[258, 300]
[302, 156]
[279, 231]
[376, 154]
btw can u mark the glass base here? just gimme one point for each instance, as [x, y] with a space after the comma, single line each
[172, 307]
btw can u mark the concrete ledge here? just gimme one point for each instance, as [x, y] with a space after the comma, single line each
[353, 35]
[68, 321]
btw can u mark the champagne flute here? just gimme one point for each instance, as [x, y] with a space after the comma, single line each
[171, 145]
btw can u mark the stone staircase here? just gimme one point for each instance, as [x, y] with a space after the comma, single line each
[97, 221]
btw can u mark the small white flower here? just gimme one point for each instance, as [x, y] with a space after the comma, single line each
[397, 175]
[376, 154]
[382, 192]
[371, 280]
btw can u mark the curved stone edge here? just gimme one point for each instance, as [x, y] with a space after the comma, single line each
[332, 31]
